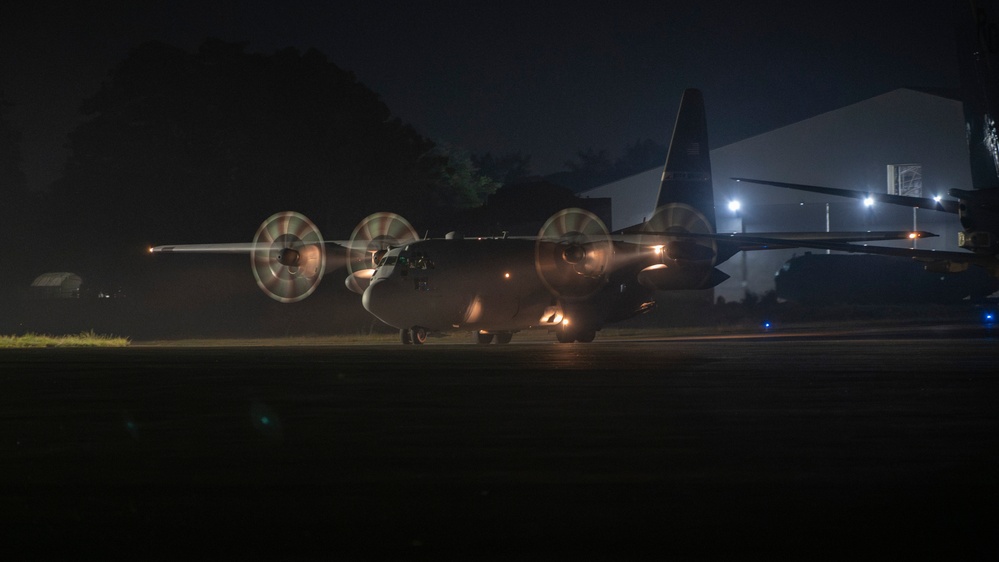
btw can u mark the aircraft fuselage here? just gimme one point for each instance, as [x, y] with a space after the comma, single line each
[490, 285]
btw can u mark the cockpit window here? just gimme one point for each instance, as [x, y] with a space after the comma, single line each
[420, 260]
[406, 261]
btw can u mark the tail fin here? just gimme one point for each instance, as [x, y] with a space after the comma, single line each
[687, 175]
[979, 65]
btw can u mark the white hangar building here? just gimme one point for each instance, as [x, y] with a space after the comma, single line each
[904, 141]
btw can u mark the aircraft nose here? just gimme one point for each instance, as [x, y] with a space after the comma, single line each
[378, 300]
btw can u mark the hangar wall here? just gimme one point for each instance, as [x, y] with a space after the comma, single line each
[848, 148]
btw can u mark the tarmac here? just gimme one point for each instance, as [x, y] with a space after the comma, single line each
[815, 445]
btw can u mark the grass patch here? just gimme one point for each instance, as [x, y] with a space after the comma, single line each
[83, 339]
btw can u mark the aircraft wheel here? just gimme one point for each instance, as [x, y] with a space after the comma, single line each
[586, 336]
[483, 338]
[564, 336]
[504, 337]
[405, 336]
[419, 335]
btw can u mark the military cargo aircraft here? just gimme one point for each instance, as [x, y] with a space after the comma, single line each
[573, 278]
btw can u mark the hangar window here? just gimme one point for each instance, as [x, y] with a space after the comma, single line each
[905, 179]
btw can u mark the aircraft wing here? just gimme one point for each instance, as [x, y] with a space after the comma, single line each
[777, 240]
[772, 240]
[946, 206]
[935, 260]
[237, 247]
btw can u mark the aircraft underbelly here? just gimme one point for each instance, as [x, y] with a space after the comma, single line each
[489, 309]
[503, 312]
[496, 288]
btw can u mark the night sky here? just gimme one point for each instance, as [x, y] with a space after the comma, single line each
[544, 78]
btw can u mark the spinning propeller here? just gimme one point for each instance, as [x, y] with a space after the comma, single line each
[369, 242]
[288, 257]
[573, 253]
[685, 263]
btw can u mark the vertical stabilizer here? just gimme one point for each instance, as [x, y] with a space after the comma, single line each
[686, 179]
[979, 65]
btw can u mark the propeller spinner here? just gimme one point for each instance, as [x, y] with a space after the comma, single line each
[288, 257]
[573, 253]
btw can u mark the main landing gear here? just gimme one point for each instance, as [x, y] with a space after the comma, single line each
[486, 338]
[564, 334]
[416, 334]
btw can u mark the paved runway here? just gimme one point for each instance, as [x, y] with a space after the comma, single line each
[817, 447]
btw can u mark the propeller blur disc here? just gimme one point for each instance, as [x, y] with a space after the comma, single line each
[374, 236]
[288, 257]
[572, 254]
[689, 254]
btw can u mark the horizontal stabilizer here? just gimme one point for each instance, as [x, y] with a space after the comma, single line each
[665, 278]
[946, 206]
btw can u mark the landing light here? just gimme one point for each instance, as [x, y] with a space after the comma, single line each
[657, 249]
[506, 276]
[913, 235]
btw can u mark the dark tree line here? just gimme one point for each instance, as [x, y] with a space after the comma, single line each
[183, 147]
[193, 147]
[12, 181]
[17, 206]
[592, 168]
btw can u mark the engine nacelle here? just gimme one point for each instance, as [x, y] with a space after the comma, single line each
[688, 250]
[358, 281]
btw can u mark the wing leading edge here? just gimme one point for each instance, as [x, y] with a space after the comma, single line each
[238, 247]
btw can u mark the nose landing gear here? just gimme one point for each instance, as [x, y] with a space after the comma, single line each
[416, 334]
[487, 337]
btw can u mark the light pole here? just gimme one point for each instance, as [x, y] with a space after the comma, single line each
[828, 251]
[735, 206]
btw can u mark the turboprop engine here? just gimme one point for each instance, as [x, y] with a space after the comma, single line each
[288, 257]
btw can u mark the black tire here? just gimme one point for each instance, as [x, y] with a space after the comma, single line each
[504, 337]
[405, 336]
[419, 335]
[586, 336]
[483, 339]
[564, 336]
